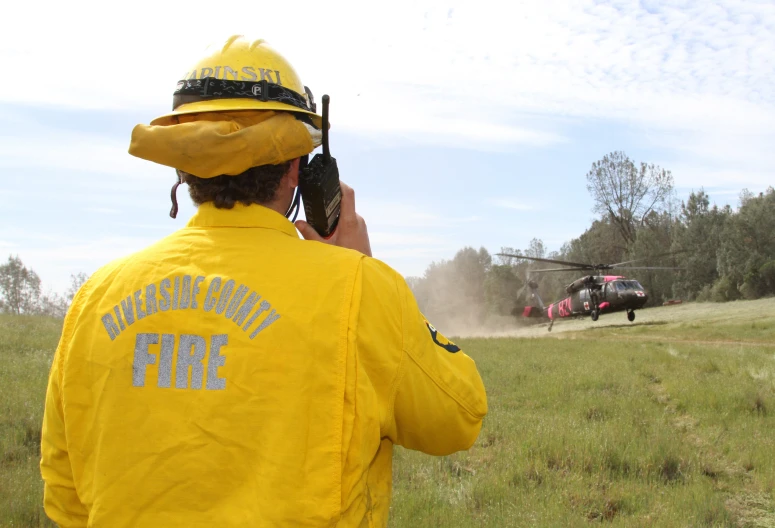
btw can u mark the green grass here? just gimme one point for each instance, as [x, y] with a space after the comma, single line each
[27, 345]
[666, 422]
[670, 422]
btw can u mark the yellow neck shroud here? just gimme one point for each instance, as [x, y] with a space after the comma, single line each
[216, 143]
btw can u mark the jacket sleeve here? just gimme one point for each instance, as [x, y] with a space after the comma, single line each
[60, 499]
[437, 399]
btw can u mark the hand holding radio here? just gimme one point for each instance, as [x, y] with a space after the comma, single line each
[350, 231]
[329, 204]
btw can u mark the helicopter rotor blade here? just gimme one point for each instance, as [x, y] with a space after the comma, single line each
[649, 257]
[561, 269]
[648, 268]
[550, 261]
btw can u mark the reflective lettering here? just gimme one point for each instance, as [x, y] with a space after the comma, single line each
[266, 74]
[142, 357]
[215, 285]
[250, 72]
[217, 72]
[206, 72]
[165, 361]
[262, 308]
[139, 306]
[118, 316]
[216, 360]
[244, 310]
[191, 352]
[176, 294]
[195, 292]
[277, 73]
[126, 307]
[150, 299]
[185, 292]
[234, 304]
[110, 326]
[164, 290]
[271, 318]
[225, 294]
[193, 75]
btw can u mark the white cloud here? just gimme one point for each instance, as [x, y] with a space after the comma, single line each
[103, 210]
[696, 175]
[388, 214]
[458, 73]
[383, 238]
[510, 203]
[55, 258]
[68, 150]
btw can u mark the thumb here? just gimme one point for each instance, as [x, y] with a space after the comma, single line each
[307, 231]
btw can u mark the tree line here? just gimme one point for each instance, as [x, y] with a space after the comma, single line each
[21, 293]
[723, 253]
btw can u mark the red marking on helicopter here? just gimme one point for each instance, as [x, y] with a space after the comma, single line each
[565, 307]
[610, 278]
[604, 305]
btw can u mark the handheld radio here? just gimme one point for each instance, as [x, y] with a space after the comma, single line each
[319, 186]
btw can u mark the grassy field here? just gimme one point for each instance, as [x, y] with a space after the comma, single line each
[668, 421]
[27, 345]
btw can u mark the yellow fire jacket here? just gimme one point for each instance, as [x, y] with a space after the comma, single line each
[233, 374]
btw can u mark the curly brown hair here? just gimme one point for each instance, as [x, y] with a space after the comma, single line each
[257, 185]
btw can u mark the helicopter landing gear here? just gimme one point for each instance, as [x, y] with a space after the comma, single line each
[551, 324]
[595, 313]
[630, 315]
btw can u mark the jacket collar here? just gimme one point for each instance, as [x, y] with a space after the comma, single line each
[208, 215]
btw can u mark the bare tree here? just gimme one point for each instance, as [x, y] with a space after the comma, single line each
[19, 288]
[52, 304]
[627, 193]
[76, 281]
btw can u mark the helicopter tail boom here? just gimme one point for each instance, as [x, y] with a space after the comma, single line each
[532, 311]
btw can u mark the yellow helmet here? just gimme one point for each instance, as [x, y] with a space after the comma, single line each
[241, 75]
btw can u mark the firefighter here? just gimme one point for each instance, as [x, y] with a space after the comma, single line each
[234, 373]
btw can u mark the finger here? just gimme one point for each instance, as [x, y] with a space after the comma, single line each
[347, 209]
[307, 231]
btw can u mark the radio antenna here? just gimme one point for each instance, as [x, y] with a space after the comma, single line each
[326, 153]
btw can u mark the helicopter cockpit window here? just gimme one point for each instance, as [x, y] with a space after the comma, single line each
[628, 285]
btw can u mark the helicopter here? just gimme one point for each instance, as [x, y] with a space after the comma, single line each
[591, 295]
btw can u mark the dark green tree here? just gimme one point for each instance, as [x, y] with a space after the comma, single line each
[698, 235]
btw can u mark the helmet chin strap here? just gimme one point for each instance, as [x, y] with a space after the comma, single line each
[294, 208]
[174, 196]
[296, 202]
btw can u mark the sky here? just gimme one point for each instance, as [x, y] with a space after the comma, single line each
[457, 123]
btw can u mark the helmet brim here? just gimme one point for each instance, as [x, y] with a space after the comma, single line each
[231, 105]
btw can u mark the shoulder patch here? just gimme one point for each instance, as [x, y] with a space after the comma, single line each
[442, 341]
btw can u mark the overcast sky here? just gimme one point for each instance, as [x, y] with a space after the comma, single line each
[458, 123]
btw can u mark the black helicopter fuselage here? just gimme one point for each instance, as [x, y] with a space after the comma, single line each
[592, 296]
